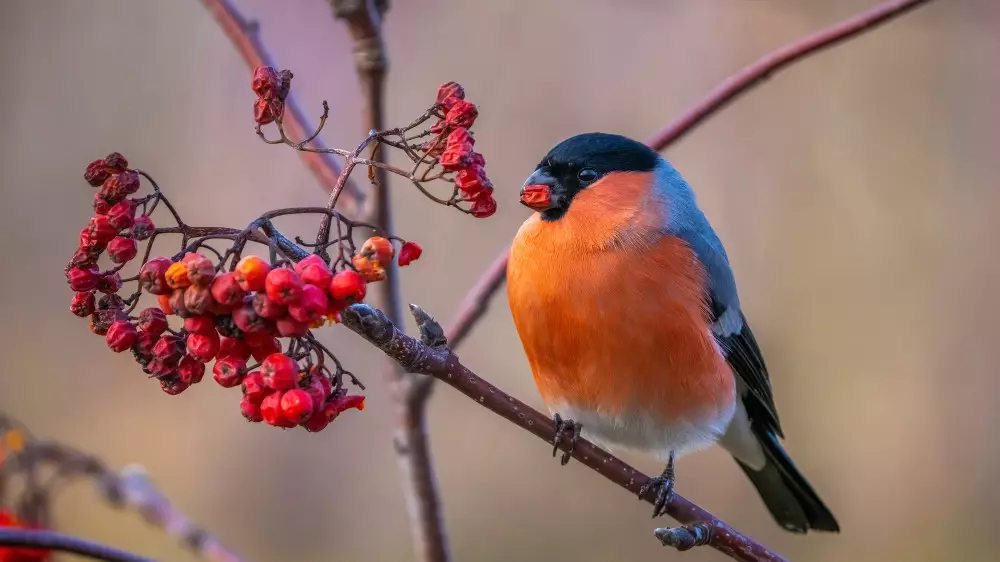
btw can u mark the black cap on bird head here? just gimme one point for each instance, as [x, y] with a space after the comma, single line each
[578, 162]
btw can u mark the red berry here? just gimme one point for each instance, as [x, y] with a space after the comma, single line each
[296, 405]
[97, 172]
[121, 336]
[153, 320]
[152, 276]
[203, 347]
[122, 214]
[177, 306]
[85, 259]
[472, 181]
[142, 228]
[283, 286]
[280, 371]
[251, 273]
[311, 306]
[168, 350]
[82, 304]
[262, 349]
[251, 410]
[235, 347]
[254, 387]
[456, 157]
[109, 283]
[267, 307]
[120, 185]
[483, 207]
[143, 346]
[122, 249]
[348, 287]
[226, 290]
[190, 370]
[462, 114]
[200, 269]
[116, 162]
[198, 299]
[291, 328]
[265, 82]
[87, 242]
[270, 409]
[347, 402]
[101, 205]
[460, 135]
[314, 271]
[378, 249]
[101, 229]
[409, 252]
[266, 111]
[319, 389]
[173, 385]
[228, 371]
[449, 94]
[247, 319]
[81, 280]
[201, 324]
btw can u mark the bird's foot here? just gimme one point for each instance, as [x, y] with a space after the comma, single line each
[664, 485]
[568, 426]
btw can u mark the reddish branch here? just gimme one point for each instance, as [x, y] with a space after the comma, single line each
[477, 300]
[431, 356]
[245, 37]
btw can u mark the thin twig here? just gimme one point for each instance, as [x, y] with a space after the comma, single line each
[476, 301]
[245, 37]
[439, 362]
[410, 392]
[51, 540]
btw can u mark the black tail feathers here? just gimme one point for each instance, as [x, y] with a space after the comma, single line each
[786, 493]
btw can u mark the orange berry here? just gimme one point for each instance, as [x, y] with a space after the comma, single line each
[377, 249]
[177, 276]
[251, 272]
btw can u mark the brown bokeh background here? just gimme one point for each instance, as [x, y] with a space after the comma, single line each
[856, 194]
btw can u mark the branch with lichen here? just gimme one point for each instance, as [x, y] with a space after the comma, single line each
[431, 356]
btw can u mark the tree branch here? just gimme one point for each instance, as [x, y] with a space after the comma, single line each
[51, 540]
[439, 362]
[410, 392]
[244, 35]
[476, 301]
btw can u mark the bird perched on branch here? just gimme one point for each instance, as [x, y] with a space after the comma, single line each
[627, 308]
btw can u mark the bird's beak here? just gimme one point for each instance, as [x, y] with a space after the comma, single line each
[536, 193]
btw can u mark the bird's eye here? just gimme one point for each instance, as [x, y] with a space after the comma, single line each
[587, 175]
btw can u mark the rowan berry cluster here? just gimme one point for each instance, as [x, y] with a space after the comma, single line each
[250, 317]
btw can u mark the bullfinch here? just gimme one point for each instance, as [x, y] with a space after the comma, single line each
[627, 308]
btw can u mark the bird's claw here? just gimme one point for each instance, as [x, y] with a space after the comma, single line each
[664, 484]
[574, 430]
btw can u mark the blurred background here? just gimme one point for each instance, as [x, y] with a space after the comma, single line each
[856, 194]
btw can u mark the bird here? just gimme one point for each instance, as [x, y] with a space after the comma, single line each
[627, 308]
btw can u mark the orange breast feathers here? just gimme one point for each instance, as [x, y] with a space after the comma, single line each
[612, 313]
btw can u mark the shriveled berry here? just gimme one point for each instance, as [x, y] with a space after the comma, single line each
[203, 347]
[483, 207]
[177, 277]
[120, 185]
[266, 111]
[122, 214]
[455, 157]
[97, 172]
[201, 324]
[462, 114]
[198, 299]
[319, 388]
[254, 387]
[378, 249]
[344, 403]
[153, 276]
[116, 162]
[107, 302]
[270, 409]
[283, 286]
[311, 305]
[235, 347]
[142, 349]
[122, 249]
[173, 385]
[82, 304]
[251, 273]
[84, 259]
[408, 253]
[168, 350]
[280, 371]
[265, 82]
[449, 94]
[142, 228]
[320, 419]
[177, 304]
[296, 405]
[110, 282]
[473, 183]
[348, 287]
[101, 229]
[101, 320]
[81, 280]
[251, 410]
[101, 205]
[314, 271]
[460, 135]
[156, 368]
[226, 289]
[370, 271]
[120, 336]
[88, 244]
[267, 307]
[225, 325]
[200, 269]
[247, 320]
[190, 370]
[290, 328]
[228, 371]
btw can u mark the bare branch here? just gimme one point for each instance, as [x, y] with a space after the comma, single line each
[439, 362]
[51, 540]
[476, 301]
